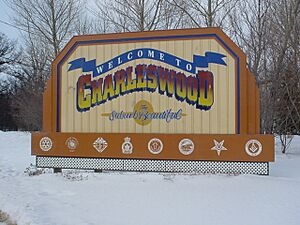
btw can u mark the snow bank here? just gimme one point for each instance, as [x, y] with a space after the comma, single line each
[81, 197]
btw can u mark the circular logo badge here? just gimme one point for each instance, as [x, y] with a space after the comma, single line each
[186, 146]
[127, 146]
[253, 147]
[45, 144]
[72, 143]
[155, 146]
[142, 107]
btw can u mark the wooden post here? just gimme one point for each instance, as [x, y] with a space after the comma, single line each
[57, 170]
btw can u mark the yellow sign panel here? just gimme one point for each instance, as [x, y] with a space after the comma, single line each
[169, 86]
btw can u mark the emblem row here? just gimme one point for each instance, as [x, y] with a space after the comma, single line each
[155, 146]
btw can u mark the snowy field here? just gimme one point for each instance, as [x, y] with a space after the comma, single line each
[85, 198]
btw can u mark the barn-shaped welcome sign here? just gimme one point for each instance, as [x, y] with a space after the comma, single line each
[174, 101]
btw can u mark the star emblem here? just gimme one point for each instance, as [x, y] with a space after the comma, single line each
[219, 147]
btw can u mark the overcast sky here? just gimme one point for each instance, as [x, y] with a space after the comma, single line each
[5, 14]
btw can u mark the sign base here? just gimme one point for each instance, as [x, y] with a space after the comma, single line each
[143, 165]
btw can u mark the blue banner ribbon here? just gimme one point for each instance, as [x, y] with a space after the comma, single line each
[148, 53]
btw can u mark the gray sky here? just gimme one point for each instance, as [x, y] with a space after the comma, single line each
[5, 14]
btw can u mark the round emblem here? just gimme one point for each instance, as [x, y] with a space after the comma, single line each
[127, 146]
[72, 143]
[45, 144]
[155, 146]
[141, 108]
[253, 147]
[186, 146]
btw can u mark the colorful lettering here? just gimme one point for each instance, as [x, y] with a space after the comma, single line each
[195, 90]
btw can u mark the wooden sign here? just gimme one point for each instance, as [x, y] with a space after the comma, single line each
[180, 96]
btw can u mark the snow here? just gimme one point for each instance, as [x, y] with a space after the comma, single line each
[86, 198]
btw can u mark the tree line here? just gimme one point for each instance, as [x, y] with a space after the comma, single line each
[266, 30]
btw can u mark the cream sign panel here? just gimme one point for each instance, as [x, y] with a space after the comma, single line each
[181, 86]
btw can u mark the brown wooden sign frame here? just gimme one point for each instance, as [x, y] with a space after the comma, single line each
[245, 145]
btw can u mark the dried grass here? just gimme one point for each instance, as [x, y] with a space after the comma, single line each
[5, 218]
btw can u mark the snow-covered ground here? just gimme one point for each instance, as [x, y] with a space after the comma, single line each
[85, 198]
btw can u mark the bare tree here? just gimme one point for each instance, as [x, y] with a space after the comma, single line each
[286, 69]
[249, 20]
[8, 57]
[53, 21]
[84, 26]
[173, 17]
[209, 13]
[250, 30]
[48, 25]
[8, 54]
[28, 81]
[129, 15]
[7, 121]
